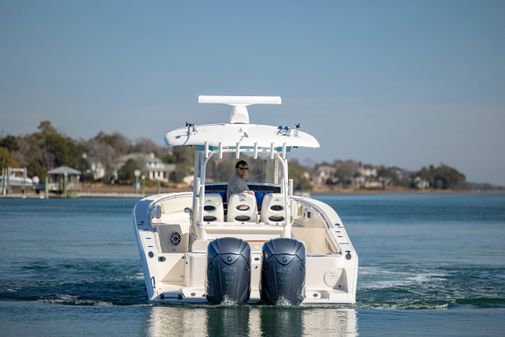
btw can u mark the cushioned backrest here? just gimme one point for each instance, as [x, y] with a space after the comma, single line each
[272, 209]
[213, 208]
[242, 208]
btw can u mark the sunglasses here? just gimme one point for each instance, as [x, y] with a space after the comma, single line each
[243, 168]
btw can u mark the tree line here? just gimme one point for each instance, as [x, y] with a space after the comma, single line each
[47, 148]
[350, 173]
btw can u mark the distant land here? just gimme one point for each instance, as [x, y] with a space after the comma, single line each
[113, 162]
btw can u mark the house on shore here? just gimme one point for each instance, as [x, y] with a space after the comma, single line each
[419, 183]
[323, 173]
[155, 169]
[152, 168]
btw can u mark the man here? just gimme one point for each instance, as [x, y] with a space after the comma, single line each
[237, 183]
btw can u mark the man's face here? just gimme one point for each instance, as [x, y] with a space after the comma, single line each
[242, 170]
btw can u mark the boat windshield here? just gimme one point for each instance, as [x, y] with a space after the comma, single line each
[262, 170]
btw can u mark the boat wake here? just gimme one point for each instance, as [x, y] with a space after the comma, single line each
[75, 300]
[406, 286]
[74, 282]
[395, 286]
[283, 302]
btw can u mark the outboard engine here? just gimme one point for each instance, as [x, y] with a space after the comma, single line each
[283, 272]
[228, 271]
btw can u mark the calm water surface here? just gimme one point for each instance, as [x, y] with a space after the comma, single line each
[430, 264]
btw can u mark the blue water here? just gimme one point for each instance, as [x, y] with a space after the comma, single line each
[430, 264]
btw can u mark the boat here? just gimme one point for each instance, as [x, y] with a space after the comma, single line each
[16, 181]
[270, 247]
[14, 178]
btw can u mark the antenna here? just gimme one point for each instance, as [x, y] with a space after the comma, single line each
[239, 113]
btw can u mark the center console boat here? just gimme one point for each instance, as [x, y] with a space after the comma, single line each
[270, 247]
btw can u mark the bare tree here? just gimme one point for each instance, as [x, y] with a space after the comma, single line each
[145, 145]
[99, 152]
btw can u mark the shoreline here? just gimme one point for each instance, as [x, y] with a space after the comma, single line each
[114, 193]
[408, 191]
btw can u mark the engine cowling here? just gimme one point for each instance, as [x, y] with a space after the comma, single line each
[283, 272]
[228, 271]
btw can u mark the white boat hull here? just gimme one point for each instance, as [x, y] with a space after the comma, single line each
[175, 265]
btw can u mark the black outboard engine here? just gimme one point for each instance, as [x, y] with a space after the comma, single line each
[283, 272]
[228, 271]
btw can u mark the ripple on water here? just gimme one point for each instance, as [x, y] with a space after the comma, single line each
[75, 282]
[391, 286]
[405, 286]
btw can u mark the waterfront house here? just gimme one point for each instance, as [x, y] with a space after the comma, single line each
[152, 168]
[157, 170]
[367, 170]
[324, 173]
[420, 183]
